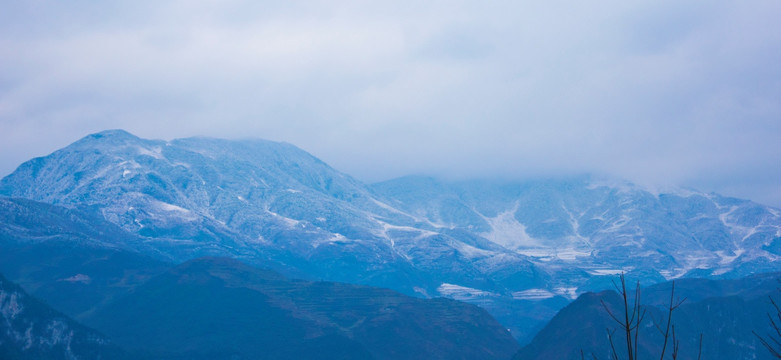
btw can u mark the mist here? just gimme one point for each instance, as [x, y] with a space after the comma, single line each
[657, 92]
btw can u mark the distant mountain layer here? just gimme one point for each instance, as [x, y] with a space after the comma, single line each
[515, 248]
[595, 225]
[217, 307]
[29, 329]
[725, 312]
[220, 308]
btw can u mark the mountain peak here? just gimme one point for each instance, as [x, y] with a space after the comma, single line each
[110, 140]
[113, 134]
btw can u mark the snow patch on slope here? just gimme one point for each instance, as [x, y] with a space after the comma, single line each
[390, 208]
[727, 259]
[533, 294]
[462, 293]
[421, 233]
[604, 272]
[508, 232]
[569, 292]
[153, 152]
[291, 223]
[167, 210]
[472, 252]
[335, 238]
[171, 207]
[547, 254]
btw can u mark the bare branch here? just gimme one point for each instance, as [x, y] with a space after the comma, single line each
[775, 348]
[699, 352]
[656, 325]
[627, 321]
[611, 313]
[612, 345]
[669, 320]
[634, 316]
[770, 348]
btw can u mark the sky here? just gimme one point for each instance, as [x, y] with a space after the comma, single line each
[660, 93]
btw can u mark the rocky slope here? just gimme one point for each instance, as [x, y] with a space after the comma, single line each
[29, 329]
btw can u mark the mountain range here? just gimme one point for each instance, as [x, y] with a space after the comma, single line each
[520, 249]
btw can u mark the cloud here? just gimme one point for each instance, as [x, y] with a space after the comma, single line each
[657, 92]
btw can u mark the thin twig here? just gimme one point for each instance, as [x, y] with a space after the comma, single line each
[699, 352]
[612, 345]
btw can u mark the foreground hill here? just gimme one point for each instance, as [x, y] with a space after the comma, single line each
[725, 312]
[220, 308]
[29, 329]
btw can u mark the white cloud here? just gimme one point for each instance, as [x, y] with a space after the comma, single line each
[653, 91]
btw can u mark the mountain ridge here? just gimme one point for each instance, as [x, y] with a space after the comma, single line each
[502, 244]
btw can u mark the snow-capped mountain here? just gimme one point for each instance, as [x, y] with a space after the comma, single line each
[603, 227]
[266, 202]
[499, 244]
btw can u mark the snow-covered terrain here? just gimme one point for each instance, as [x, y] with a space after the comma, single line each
[277, 206]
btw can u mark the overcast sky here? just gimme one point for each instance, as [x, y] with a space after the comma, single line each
[657, 92]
